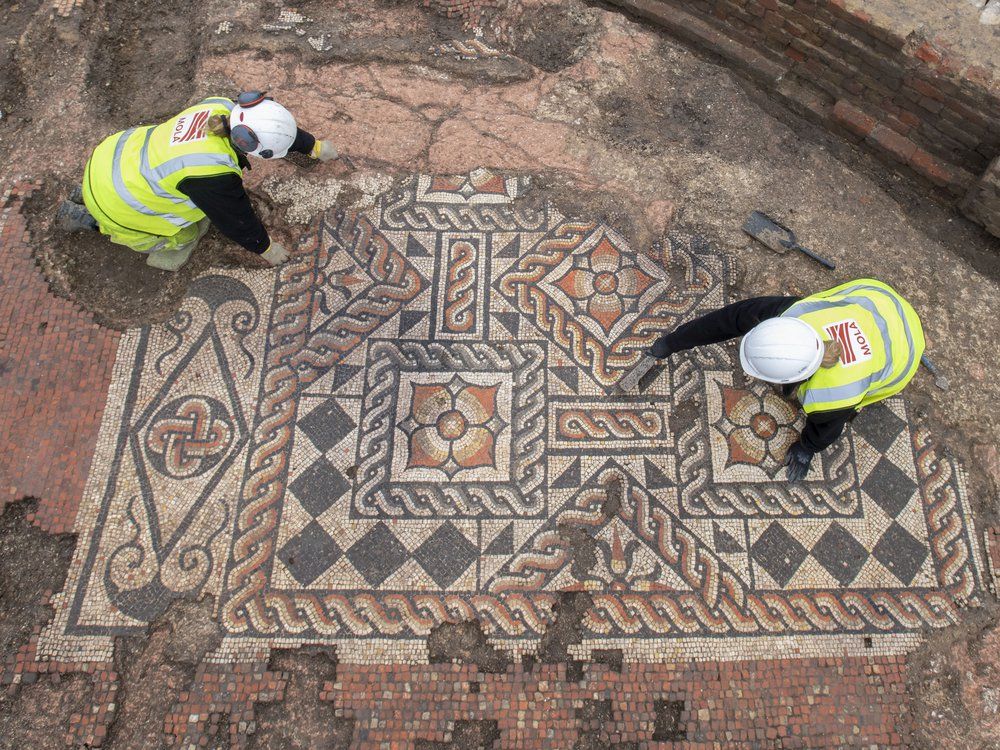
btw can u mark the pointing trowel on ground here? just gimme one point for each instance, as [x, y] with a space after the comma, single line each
[939, 380]
[780, 239]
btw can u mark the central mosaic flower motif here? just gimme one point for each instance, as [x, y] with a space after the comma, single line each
[605, 283]
[758, 427]
[452, 426]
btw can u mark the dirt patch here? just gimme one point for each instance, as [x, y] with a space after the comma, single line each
[582, 547]
[685, 416]
[40, 712]
[554, 37]
[31, 563]
[465, 643]
[154, 670]
[114, 283]
[625, 214]
[143, 70]
[954, 684]
[14, 19]
[596, 717]
[660, 114]
[302, 721]
[567, 627]
[668, 726]
[467, 735]
[612, 657]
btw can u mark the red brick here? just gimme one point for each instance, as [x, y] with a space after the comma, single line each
[933, 168]
[54, 391]
[928, 54]
[888, 140]
[794, 54]
[852, 118]
[925, 88]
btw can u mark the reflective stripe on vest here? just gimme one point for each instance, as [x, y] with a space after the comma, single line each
[155, 175]
[134, 176]
[901, 343]
[125, 194]
[227, 103]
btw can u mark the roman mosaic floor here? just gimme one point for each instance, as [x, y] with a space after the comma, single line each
[417, 420]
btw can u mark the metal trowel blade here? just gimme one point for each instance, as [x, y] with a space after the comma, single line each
[764, 229]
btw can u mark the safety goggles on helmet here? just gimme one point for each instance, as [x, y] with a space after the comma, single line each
[243, 136]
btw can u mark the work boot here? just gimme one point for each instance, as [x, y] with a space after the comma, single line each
[174, 258]
[71, 217]
[76, 195]
[170, 259]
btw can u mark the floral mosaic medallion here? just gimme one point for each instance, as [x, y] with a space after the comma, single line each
[415, 421]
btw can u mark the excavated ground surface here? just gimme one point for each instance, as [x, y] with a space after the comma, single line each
[613, 123]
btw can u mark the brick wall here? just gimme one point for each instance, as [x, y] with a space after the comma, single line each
[922, 109]
[983, 201]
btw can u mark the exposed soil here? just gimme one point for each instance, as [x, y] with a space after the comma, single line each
[465, 643]
[553, 37]
[594, 716]
[38, 714]
[14, 19]
[955, 683]
[302, 721]
[32, 563]
[566, 628]
[467, 735]
[144, 72]
[154, 669]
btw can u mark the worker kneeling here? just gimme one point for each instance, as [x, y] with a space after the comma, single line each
[837, 351]
[156, 189]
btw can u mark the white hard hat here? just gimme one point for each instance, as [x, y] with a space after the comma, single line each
[261, 127]
[781, 350]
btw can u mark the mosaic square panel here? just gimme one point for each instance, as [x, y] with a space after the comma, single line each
[452, 430]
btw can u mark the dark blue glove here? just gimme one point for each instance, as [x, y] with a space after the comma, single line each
[660, 349]
[797, 460]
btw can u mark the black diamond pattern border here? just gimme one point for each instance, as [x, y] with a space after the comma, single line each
[779, 553]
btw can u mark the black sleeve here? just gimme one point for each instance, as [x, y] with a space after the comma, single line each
[303, 143]
[724, 324]
[227, 204]
[824, 427]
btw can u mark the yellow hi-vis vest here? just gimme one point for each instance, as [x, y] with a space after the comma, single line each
[881, 340]
[132, 176]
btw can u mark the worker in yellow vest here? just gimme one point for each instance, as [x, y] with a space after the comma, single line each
[156, 189]
[837, 351]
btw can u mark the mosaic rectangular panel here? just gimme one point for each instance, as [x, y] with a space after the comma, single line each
[416, 421]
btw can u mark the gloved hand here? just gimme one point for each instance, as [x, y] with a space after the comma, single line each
[275, 254]
[324, 151]
[659, 349]
[797, 460]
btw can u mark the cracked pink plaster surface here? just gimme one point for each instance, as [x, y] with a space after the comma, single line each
[515, 141]
[389, 115]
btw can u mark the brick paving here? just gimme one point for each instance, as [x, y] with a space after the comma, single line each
[814, 703]
[55, 368]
